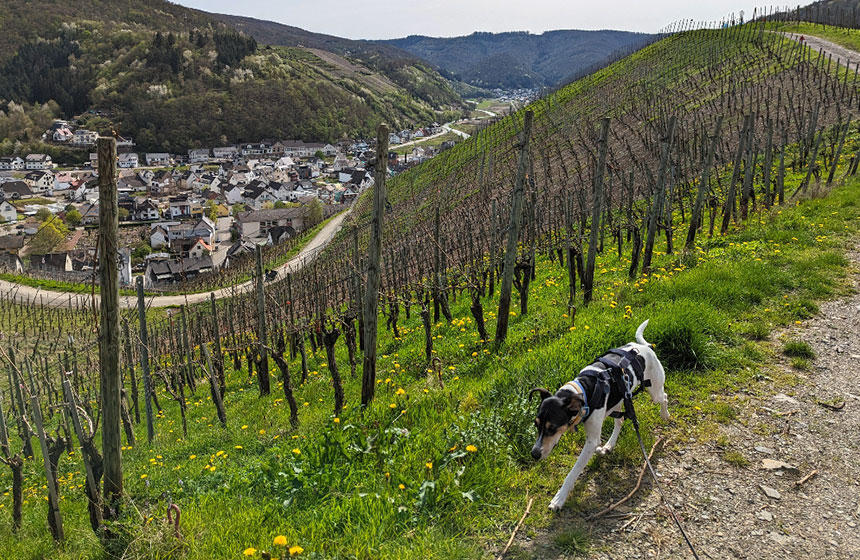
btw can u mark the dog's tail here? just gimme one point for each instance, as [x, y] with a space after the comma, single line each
[639, 338]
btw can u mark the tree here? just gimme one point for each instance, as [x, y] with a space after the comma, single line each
[73, 217]
[315, 212]
[43, 214]
[141, 251]
[123, 214]
[211, 210]
[50, 234]
[280, 204]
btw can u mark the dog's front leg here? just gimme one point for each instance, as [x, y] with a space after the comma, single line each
[610, 445]
[591, 443]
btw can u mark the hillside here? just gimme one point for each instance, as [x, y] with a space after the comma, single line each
[406, 70]
[736, 136]
[147, 66]
[520, 59]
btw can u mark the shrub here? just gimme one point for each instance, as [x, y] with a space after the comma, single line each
[798, 349]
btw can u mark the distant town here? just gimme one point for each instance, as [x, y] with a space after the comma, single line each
[183, 215]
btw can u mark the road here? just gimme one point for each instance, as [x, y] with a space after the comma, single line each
[28, 294]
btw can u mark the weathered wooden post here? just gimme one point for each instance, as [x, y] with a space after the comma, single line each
[219, 353]
[596, 210]
[696, 216]
[110, 377]
[657, 199]
[513, 232]
[144, 361]
[374, 258]
[263, 363]
[134, 396]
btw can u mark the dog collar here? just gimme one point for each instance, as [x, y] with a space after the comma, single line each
[576, 386]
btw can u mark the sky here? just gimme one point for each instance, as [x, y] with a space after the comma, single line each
[387, 19]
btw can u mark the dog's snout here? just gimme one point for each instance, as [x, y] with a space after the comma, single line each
[536, 453]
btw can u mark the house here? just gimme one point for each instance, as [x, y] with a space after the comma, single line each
[258, 223]
[159, 237]
[179, 206]
[62, 134]
[13, 190]
[11, 244]
[52, 262]
[11, 164]
[41, 182]
[279, 234]
[8, 213]
[10, 262]
[238, 250]
[394, 139]
[225, 152]
[37, 161]
[157, 159]
[175, 270]
[255, 149]
[124, 142]
[84, 137]
[145, 211]
[131, 183]
[193, 247]
[198, 155]
[89, 214]
[233, 194]
[340, 161]
[128, 160]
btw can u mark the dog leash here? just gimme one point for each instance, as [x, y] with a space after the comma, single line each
[628, 405]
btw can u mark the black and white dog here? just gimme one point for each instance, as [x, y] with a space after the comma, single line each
[597, 392]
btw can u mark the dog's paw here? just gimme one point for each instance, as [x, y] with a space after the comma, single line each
[603, 450]
[555, 506]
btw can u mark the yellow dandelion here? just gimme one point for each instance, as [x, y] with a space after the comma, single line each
[471, 448]
[296, 550]
[249, 551]
[280, 540]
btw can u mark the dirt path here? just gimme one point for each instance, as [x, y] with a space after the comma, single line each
[724, 505]
[837, 51]
[26, 294]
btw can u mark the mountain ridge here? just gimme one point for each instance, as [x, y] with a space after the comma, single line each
[515, 59]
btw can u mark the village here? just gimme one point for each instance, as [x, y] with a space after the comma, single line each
[183, 215]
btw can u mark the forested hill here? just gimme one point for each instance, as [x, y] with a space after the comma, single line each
[405, 69]
[518, 59]
[175, 78]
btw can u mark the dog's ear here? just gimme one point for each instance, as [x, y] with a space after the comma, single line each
[544, 394]
[573, 401]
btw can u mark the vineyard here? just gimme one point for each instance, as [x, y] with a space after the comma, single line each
[373, 403]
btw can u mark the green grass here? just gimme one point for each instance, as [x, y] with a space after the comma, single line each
[574, 541]
[335, 487]
[58, 285]
[798, 349]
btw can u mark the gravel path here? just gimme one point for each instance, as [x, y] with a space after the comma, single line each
[837, 51]
[784, 433]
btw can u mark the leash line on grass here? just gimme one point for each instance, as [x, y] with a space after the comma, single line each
[657, 484]
[635, 488]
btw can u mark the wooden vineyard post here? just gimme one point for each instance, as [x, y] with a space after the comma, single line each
[189, 370]
[55, 520]
[131, 375]
[596, 211]
[513, 232]
[374, 258]
[219, 354]
[696, 216]
[93, 462]
[657, 199]
[144, 360]
[213, 387]
[110, 377]
[263, 363]
[16, 464]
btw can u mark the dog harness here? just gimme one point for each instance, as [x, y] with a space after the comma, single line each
[613, 374]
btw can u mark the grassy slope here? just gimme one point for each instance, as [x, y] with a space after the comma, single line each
[334, 488]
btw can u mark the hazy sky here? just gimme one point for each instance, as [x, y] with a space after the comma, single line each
[384, 19]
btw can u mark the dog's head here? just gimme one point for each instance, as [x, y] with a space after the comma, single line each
[557, 414]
